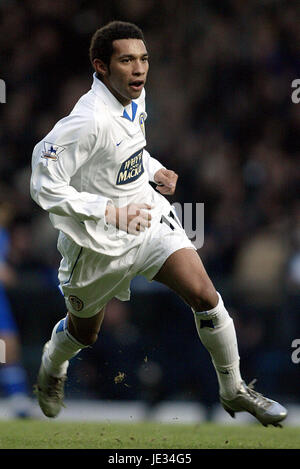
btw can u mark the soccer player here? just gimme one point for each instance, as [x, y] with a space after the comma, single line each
[92, 173]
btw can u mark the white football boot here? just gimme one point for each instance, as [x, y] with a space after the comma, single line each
[49, 391]
[266, 411]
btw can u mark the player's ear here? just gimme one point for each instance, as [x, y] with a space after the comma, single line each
[100, 67]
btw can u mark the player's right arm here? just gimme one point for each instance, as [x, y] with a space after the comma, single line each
[132, 218]
[57, 158]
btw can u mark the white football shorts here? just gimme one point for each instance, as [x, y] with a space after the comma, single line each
[89, 280]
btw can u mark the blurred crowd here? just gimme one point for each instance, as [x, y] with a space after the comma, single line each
[220, 114]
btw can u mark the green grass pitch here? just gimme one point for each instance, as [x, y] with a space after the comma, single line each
[35, 434]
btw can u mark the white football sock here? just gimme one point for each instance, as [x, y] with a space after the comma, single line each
[217, 333]
[62, 347]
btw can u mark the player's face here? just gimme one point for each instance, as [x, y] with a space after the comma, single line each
[127, 72]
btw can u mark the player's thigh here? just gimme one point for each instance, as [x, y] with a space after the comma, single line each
[184, 273]
[85, 330]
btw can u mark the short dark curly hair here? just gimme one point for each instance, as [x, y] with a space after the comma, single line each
[101, 46]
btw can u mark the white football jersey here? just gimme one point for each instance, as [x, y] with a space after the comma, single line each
[96, 154]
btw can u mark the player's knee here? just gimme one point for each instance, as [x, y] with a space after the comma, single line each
[85, 330]
[203, 297]
[92, 338]
[87, 338]
[84, 336]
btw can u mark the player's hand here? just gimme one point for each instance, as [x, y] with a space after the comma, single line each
[132, 218]
[166, 180]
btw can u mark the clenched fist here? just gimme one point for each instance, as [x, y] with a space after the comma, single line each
[166, 180]
[132, 218]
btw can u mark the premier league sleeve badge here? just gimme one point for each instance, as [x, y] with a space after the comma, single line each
[51, 152]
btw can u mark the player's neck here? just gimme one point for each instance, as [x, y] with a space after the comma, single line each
[122, 100]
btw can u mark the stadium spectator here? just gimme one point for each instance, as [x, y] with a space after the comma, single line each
[13, 377]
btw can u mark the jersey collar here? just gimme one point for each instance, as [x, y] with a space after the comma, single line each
[116, 108]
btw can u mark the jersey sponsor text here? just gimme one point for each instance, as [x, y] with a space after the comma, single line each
[131, 169]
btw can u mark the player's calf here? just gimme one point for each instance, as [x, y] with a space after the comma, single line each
[53, 370]
[217, 333]
[49, 390]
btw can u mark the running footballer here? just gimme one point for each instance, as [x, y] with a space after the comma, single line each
[92, 173]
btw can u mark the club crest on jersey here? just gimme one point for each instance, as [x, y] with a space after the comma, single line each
[76, 302]
[51, 151]
[131, 169]
[142, 118]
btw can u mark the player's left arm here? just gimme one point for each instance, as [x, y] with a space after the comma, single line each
[166, 179]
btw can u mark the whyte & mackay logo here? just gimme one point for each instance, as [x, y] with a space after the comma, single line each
[131, 169]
